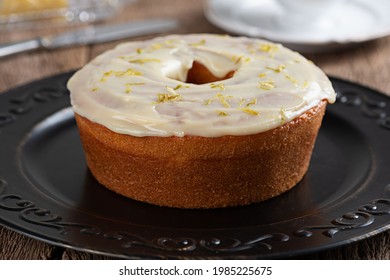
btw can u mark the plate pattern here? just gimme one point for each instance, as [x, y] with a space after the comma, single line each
[25, 102]
[28, 216]
[30, 213]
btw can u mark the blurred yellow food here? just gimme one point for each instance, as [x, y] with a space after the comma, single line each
[22, 6]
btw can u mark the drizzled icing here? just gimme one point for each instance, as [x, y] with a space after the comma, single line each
[140, 89]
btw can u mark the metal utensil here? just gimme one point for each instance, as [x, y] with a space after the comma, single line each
[90, 35]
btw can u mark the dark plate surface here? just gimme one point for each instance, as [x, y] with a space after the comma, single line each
[47, 192]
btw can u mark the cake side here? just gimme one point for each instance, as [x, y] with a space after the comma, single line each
[200, 172]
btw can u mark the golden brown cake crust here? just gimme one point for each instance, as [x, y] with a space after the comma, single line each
[200, 172]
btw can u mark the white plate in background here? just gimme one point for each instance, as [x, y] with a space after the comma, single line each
[345, 24]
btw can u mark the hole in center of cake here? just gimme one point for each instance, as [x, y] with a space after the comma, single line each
[199, 74]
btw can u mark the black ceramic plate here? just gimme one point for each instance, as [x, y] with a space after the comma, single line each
[46, 191]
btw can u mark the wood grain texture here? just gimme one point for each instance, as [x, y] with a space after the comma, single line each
[15, 246]
[368, 64]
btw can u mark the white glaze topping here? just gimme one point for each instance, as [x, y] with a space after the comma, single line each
[140, 89]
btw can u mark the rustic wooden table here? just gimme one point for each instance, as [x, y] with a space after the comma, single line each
[367, 64]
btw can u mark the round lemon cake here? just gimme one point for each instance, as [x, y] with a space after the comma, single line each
[200, 120]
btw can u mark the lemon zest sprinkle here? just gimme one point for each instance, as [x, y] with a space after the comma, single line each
[242, 101]
[252, 102]
[222, 114]
[250, 111]
[144, 60]
[179, 86]
[208, 101]
[268, 48]
[165, 97]
[197, 44]
[220, 86]
[267, 85]
[278, 69]
[223, 100]
[128, 72]
[291, 79]
[224, 103]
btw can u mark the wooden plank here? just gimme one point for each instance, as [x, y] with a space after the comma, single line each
[15, 246]
[367, 64]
